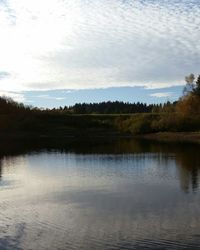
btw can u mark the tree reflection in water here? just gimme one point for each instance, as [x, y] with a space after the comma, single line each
[185, 156]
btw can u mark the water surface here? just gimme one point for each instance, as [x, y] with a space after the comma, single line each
[119, 195]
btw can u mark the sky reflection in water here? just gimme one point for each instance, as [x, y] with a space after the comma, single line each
[127, 195]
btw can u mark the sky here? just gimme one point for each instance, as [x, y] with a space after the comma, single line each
[59, 52]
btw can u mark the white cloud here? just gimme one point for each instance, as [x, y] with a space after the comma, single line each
[162, 94]
[42, 96]
[78, 44]
[68, 91]
[59, 98]
[45, 96]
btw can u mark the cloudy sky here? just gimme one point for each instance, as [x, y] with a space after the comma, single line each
[61, 51]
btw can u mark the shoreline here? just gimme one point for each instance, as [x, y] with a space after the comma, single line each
[171, 137]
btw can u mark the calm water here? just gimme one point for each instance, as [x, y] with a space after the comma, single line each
[117, 195]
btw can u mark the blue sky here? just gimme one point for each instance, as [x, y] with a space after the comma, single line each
[56, 98]
[57, 52]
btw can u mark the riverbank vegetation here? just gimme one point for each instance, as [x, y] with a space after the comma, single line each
[104, 119]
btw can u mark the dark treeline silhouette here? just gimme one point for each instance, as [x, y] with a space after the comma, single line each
[115, 107]
[110, 108]
[105, 118]
[100, 119]
[9, 106]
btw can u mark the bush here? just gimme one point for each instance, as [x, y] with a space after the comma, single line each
[138, 124]
[189, 105]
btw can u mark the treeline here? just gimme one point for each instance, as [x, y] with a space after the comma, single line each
[184, 115]
[18, 119]
[115, 107]
[106, 118]
[9, 106]
[110, 108]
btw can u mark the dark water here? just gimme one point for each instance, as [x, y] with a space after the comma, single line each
[109, 195]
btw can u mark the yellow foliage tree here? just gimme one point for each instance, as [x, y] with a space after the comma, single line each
[189, 105]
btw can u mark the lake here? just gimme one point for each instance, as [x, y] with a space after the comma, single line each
[121, 194]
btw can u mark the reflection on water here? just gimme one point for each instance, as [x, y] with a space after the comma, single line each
[121, 194]
[188, 163]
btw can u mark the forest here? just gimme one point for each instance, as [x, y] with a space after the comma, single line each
[105, 118]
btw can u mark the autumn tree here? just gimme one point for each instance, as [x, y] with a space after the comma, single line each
[190, 102]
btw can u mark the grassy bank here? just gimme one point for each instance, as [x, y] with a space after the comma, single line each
[158, 122]
[58, 125]
[182, 137]
[169, 122]
[43, 124]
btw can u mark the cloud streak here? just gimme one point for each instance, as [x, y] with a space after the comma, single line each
[161, 94]
[79, 44]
